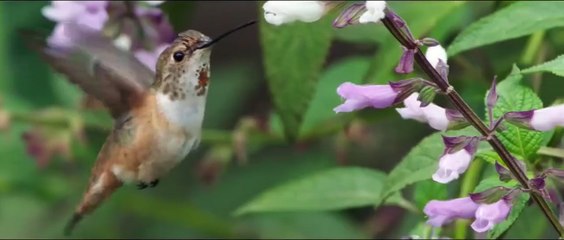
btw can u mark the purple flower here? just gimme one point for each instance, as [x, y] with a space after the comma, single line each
[487, 215]
[91, 14]
[156, 27]
[444, 212]
[350, 15]
[432, 114]
[451, 166]
[358, 97]
[406, 61]
[544, 119]
[149, 58]
[61, 11]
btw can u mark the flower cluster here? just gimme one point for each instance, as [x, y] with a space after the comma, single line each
[140, 27]
[489, 207]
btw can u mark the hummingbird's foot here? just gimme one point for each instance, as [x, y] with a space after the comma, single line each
[154, 183]
[142, 185]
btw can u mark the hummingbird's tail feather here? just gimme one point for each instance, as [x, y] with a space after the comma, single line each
[99, 189]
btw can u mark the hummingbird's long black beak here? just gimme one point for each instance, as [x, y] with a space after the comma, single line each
[215, 40]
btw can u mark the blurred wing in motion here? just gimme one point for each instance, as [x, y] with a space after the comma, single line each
[113, 76]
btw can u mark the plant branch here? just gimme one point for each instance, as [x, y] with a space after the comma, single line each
[473, 118]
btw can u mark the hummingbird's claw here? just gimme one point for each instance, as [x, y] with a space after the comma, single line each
[142, 185]
[154, 183]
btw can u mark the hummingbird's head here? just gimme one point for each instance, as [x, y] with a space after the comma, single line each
[183, 67]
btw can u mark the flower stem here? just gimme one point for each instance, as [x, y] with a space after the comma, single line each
[474, 120]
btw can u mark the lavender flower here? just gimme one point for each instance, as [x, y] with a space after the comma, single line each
[544, 119]
[488, 215]
[358, 97]
[374, 12]
[453, 163]
[281, 12]
[451, 166]
[437, 117]
[377, 96]
[92, 14]
[406, 61]
[444, 212]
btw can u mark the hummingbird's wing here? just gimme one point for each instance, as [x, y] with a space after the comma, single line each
[113, 76]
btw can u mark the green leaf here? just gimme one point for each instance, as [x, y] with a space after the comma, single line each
[489, 156]
[418, 165]
[492, 181]
[519, 204]
[555, 66]
[333, 189]
[320, 112]
[513, 96]
[428, 190]
[518, 19]
[293, 56]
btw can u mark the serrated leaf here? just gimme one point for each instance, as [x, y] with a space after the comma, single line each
[490, 156]
[555, 66]
[320, 111]
[333, 189]
[519, 204]
[513, 96]
[293, 55]
[492, 181]
[516, 20]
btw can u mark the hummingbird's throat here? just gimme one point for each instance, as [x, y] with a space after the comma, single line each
[203, 78]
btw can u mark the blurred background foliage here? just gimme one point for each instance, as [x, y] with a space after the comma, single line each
[248, 146]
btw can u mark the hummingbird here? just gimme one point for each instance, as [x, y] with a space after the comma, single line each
[157, 115]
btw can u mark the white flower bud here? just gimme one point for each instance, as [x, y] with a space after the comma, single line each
[281, 12]
[436, 53]
[374, 12]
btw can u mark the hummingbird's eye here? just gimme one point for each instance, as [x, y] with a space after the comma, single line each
[178, 56]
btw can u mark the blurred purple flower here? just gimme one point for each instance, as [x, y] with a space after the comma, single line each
[444, 212]
[544, 119]
[149, 58]
[488, 215]
[92, 14]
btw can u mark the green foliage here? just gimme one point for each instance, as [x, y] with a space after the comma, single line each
[332, 189]
[428, 190]
[555, 66]
[292, 79]
[518, 19]
[514, 96]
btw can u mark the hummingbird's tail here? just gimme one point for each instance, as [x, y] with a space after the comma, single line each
[98, 191]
